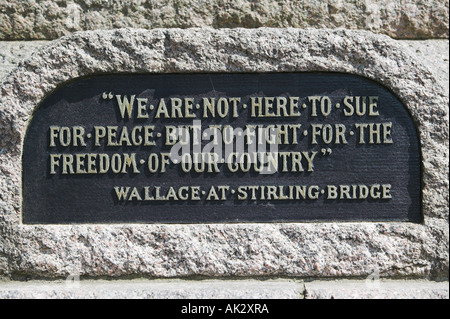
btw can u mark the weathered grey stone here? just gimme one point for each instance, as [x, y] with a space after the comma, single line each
[291, 249]
[380, 289]
[25, 19]
[153, 289]
[434, 54]
[12, 52]
[225, 289]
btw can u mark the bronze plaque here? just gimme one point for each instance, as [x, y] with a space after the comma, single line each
[208, 148]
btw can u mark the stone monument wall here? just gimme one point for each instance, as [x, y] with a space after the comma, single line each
[401, 45]
[400, 19]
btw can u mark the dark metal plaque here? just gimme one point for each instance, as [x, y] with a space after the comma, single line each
[207, 148]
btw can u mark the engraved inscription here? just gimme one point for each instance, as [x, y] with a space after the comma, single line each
[221, 148]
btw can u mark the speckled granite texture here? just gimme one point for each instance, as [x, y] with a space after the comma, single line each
[432, 53]
[224, 289]
[45, 19]
[294, 249]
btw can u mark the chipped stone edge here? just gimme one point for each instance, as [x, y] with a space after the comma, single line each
[224, 289]
[417, 250]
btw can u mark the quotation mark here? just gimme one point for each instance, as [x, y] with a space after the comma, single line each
[326, 151]
[106, 95]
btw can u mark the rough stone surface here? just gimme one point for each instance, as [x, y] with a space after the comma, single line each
[153, 289]
[382, 289]
[432, 53]
[224, 289]
[290, 249]
[413, 19]
[12, 52]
